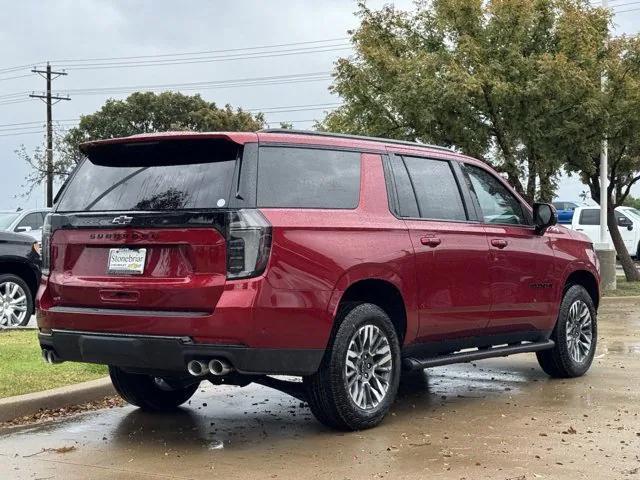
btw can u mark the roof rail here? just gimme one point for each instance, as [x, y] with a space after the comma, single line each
[354, 137]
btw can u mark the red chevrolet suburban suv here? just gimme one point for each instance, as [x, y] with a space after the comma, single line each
[232, 257]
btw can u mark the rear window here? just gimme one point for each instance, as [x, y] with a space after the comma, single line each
[308, 178]
[153, 176]
[590, 217]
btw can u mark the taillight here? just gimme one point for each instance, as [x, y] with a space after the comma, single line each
[248, 244]
[46, 245]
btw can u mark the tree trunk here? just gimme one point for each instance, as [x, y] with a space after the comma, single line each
[547, 190]
[630, 271]
[531, 181]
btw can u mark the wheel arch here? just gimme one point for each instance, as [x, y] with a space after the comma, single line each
[586, 279]
[383, 288]
[22, 270]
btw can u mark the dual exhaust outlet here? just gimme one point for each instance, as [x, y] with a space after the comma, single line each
[50, 356]
[217, 367]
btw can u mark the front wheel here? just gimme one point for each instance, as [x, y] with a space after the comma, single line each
[152, 394]
[358, 379]
[575, 336]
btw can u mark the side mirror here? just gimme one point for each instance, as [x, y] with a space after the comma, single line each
[25, 229]
[625, 222]
[544, 216]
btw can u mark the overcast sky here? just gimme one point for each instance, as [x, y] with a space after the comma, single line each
[36, 31]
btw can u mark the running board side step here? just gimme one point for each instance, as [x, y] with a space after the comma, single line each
[412, 363]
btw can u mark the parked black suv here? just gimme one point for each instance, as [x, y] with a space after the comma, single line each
[19, 278]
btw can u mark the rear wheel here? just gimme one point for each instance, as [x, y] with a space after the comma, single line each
[150, 393]
[575, 336]
[16, 301]
[358, 379]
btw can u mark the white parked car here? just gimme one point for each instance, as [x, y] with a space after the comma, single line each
[587, 221]
[28, 222]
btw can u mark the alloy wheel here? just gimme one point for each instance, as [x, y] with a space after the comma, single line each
[579, 331]
[13, 304]
[368, 367]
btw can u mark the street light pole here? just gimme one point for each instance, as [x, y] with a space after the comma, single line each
[604, 168]
[606, 254]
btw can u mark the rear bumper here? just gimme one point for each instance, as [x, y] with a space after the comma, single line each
[170, 354]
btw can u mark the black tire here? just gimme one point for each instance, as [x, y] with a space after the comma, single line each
[327, 390]
[558, 362]
[143, 391]
[9, 277]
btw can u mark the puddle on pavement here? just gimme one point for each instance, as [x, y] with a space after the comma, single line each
[621, 347]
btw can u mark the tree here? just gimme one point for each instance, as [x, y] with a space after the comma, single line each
[611, 112]
[632, 202]
[64, 164]
[141, 112]
[512, 82]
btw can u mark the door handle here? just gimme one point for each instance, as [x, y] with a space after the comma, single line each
[430, 241]
[499, 243]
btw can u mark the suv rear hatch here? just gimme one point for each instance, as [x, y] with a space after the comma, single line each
[147, 226]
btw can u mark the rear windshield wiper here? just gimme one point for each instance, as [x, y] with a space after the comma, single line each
[114, 186]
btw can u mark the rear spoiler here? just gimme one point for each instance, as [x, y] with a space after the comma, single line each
[239, 138]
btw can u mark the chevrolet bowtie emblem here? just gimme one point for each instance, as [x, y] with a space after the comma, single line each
[122, 220]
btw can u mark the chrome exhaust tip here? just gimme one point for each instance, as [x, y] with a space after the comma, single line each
[50, 356]
[219, 367]
[197, 368]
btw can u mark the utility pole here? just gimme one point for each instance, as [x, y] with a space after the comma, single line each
[50, 100]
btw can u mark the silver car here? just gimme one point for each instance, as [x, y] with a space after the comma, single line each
[28, 222]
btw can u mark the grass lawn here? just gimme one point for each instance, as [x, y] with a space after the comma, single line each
[624, 289]
[22, 369]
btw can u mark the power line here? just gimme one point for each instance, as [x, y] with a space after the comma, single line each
[624, 5]
[20, 133]
[167, 55]
[12, 102]
[15, 94]
[38, 122]
[267, 110]
[198, 60]
[205, 52]
[189, 85]
[32, 127]
[249, 81]
[17, 76]
[626, 11]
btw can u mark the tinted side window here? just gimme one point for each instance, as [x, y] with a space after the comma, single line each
[435, 188]
[406, 198]
[498, 205]
[590, 216]
[290, 177]
[33, 220]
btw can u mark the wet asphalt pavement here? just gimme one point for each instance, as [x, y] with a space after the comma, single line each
[498, 419]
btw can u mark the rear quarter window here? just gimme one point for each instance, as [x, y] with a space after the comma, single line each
[291, 177]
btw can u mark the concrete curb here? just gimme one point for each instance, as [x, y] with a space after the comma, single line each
[30, 403]
[614, 300]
